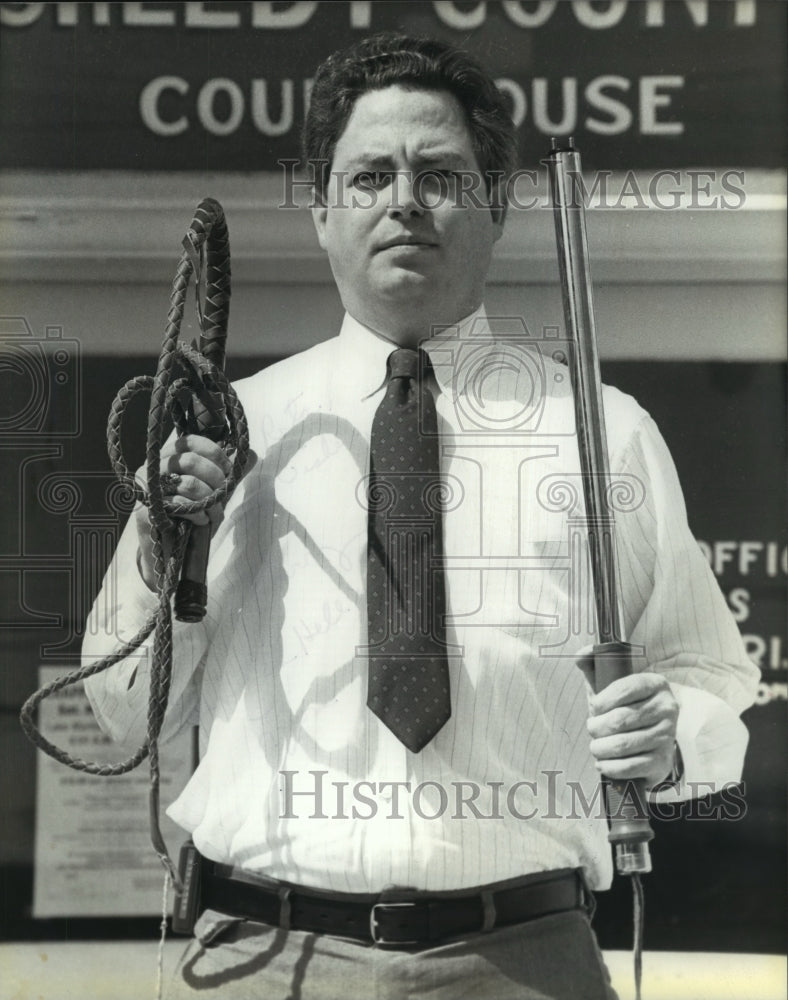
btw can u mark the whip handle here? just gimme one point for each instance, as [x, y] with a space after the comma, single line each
[209, 231]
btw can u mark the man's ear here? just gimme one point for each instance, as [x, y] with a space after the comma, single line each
[319, 213]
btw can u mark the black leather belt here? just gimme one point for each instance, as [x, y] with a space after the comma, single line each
[397, 918]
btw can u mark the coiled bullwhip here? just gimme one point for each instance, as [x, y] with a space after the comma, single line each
[190, 387]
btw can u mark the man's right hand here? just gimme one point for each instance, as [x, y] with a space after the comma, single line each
[201, 467]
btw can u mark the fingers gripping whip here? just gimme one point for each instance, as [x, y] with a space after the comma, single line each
[629, 828]
[190, 389]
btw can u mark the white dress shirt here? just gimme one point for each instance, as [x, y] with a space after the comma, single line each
[276, 675]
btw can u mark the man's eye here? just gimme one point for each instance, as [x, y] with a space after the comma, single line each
[374, 179]
[439, 179]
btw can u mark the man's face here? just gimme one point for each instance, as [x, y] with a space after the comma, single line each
[407, 247]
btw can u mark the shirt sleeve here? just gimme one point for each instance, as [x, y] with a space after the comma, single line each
[119, 695]
[674, 610]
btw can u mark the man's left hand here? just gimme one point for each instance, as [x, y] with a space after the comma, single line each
[633, 728]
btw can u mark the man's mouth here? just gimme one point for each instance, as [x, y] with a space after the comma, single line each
[407, 242]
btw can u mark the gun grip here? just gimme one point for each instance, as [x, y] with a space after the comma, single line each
[626, 801]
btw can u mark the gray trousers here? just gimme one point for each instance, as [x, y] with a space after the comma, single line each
[551, 958]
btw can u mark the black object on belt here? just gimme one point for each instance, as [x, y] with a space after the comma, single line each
[397, 918]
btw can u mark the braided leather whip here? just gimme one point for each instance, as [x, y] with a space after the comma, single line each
[190, 387]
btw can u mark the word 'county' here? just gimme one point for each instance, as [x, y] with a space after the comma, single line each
[267, 15]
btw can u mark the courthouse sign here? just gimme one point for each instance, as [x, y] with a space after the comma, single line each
[217, 86]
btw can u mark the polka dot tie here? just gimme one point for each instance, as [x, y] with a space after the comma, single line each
[406, 593]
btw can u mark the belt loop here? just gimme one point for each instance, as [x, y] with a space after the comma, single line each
[587, 898]
[488, 908]
[284, 906]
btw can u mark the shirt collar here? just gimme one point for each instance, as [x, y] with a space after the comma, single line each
[365, 351]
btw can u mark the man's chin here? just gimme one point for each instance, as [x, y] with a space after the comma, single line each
[405, 279]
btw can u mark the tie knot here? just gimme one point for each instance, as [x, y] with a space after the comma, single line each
[404, 363]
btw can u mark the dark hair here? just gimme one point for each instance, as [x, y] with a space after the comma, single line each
[390, 58]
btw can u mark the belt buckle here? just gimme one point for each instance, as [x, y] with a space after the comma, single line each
[373, 922]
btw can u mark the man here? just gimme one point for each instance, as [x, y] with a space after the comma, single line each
[399, 755]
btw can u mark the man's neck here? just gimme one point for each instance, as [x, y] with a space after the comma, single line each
[412, 334]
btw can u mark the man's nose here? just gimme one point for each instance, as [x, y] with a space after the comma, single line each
[405, 200]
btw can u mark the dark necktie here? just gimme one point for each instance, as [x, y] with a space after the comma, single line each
[406, 596]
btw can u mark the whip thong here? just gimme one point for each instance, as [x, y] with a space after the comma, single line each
[630, 830]
[190, 390]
